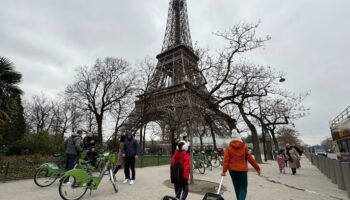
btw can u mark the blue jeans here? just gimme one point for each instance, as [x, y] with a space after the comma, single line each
[70, 161]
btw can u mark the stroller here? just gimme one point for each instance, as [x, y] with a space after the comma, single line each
[208, 196]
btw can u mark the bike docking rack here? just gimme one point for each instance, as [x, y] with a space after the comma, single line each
[338, 172]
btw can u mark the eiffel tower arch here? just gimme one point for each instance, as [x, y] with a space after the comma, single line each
[177, 96]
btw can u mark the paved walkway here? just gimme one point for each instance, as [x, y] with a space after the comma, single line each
[308, 184]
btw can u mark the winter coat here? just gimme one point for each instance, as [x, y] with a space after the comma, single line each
[183, 158]
[131, 148]
[73, 144]
[236, 156]
[87, 144]
[294, 159]
[121, 159]
[281, 160]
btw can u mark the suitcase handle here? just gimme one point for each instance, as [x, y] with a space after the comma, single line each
[222, 179]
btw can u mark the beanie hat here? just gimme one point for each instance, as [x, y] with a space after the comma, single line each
[235, 136]
[182, 146]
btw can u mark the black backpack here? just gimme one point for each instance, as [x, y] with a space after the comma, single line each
[176, 173]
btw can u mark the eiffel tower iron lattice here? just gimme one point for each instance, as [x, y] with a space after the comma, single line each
[177, 93]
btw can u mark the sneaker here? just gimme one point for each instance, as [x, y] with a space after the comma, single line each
[67, 183]
[131, 182]
[126, 181]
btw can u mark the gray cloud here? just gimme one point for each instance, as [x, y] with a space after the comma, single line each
[48, 39]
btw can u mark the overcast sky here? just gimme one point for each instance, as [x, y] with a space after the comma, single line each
[47, 39]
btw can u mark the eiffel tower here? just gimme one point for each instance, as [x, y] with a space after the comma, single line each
[177, 94]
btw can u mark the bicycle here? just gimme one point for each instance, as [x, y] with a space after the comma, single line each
[76, 182]
[48, 173]
[217, 161]
[199, 165]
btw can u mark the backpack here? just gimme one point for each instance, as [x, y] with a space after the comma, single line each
[176, 172]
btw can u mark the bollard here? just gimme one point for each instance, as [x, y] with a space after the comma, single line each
[317, 162]
[346, 174]
[322, 163]
[328, 167]
[339, 175]
[332, 169]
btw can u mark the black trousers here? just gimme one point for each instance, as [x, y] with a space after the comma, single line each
[130, 164]
[294, 171]
[181, 189]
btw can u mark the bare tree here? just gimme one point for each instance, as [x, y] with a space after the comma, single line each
[229, 87]
[39, 113]
[100, 87]
[287, 135]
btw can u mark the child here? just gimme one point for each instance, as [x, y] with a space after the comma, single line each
[180, 170]
[281, 160]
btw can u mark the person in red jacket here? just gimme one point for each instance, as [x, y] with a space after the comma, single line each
[236, 156]
[182, 157]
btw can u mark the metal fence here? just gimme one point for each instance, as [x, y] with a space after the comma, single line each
[338, 172]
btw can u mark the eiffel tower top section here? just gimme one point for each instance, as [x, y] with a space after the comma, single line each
[177, 30]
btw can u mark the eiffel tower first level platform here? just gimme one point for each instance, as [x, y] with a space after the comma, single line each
[177, 92]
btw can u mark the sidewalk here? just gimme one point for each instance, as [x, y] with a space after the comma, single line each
[308, 184]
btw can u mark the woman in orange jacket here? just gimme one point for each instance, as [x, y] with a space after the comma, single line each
[236, 156]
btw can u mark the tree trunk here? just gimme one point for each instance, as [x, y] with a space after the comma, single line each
[274, 140]
[212, 135]
[263, 136]
[141, 133]
[144, 139]
[99, 120]
[201, 142]
[256, 147]
[189, 127]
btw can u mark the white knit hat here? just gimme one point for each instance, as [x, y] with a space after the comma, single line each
[182, 146]
[235, 136]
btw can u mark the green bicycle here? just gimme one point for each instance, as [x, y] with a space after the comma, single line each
[198, 164]
[48, 173]
[76, 182]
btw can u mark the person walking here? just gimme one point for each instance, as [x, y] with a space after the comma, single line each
[180, 170]
[293, 158]
[121, 158]
[281, 161]
[131, 149]
[236, 156]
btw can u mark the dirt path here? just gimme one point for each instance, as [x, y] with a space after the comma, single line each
[308, 184]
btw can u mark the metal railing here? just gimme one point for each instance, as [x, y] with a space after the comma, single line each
[343, 115]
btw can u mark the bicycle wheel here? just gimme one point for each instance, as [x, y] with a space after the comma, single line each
[42, 178]
[100, 166]
[215, 163]
[201, 168]
[113, 180]
[69, 189]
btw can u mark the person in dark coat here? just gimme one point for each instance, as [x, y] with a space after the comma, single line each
[90, 146]
[131, 149]
[73, 146]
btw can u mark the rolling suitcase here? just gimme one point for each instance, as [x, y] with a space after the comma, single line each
[214, 196]
[169, 198]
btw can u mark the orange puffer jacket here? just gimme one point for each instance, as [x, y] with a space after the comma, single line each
[236, 156]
